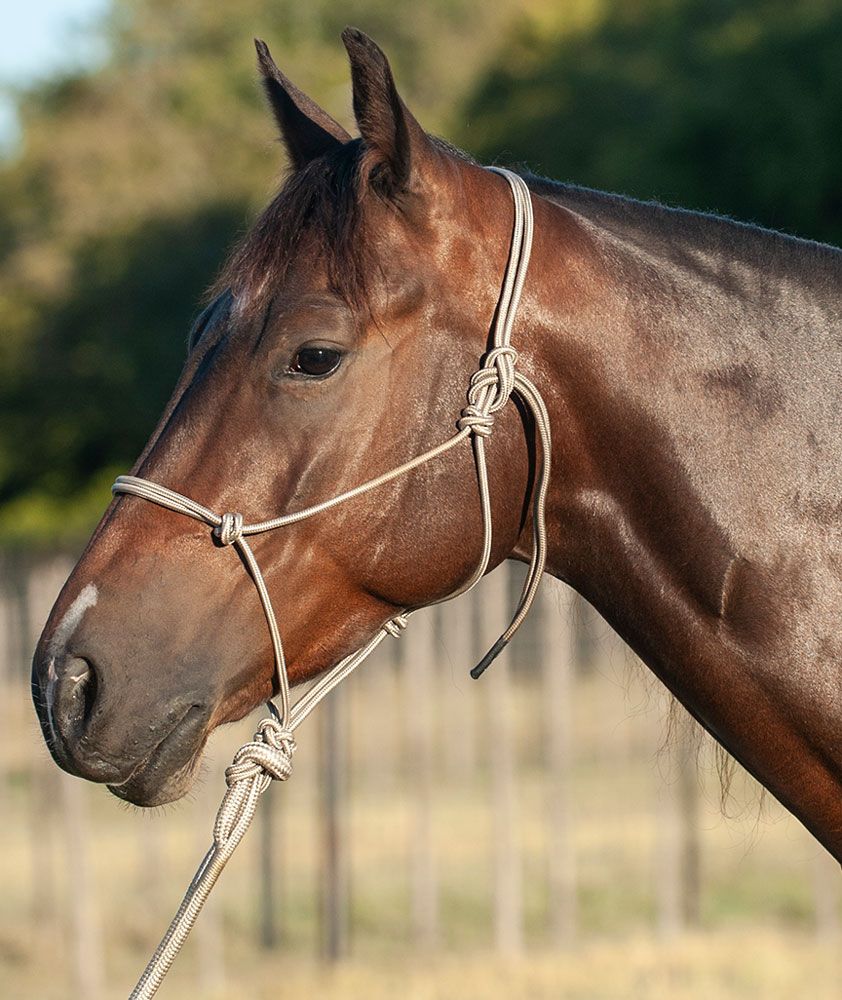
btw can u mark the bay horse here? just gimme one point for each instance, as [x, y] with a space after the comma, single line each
[692, 371]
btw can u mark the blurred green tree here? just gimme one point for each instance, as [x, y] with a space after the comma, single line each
[132, 180]
[720, 105]
[134, 177]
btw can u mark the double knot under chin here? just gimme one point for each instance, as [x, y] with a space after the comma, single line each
[269, 753]
[267, 758]
[229, 529]
[489, 391]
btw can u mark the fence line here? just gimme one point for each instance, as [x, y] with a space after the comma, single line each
[528, 724]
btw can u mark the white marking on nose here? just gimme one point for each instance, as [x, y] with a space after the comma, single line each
[87, 598]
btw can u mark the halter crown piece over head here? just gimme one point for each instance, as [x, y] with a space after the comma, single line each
[269, 755]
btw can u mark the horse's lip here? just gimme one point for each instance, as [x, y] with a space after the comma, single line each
[151, 781]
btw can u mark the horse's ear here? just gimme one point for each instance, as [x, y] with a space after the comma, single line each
[388, 128]
[307, 130]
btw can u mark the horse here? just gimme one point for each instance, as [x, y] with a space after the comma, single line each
[691, 368]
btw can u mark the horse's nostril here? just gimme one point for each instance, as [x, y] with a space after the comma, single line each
[75, 696]
[87, 681]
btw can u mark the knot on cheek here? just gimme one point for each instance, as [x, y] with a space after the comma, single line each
[481, 424]
[229, 529]
[489, 391]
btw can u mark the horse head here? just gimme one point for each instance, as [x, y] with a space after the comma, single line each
[337, 344]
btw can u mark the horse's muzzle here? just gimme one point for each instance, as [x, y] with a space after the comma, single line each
[147, 765]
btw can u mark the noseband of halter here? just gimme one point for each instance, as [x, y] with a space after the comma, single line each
[490, 388]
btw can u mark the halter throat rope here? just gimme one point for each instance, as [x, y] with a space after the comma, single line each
[268, 756]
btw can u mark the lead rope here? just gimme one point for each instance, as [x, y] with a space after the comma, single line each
[269, 755]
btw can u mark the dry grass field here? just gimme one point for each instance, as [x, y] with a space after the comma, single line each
[769, 904]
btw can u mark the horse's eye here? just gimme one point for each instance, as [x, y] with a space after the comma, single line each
[315, 361]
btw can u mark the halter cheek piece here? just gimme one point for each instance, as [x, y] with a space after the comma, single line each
[269, 755]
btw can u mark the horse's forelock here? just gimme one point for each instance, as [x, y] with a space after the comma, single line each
[317, 211]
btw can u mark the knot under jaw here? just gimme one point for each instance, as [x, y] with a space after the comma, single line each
[230, 529]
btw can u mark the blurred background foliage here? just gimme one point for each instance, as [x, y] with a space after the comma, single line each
[133, 177]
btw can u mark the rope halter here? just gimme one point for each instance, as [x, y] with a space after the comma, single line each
[269, 756]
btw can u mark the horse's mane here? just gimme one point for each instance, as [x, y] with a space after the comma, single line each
[318, 211]
[809, 261]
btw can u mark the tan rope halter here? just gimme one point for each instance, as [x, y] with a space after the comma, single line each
[269, 755]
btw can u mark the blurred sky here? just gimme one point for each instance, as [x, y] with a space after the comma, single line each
[40, 37]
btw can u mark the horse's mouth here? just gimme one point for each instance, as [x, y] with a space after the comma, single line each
[167, 773]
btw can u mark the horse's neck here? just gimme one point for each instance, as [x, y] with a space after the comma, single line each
[678, 449]
[693, 394]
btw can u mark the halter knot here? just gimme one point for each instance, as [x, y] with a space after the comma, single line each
[268, 757]
[229, 529]
[479, 423]
[501, 361]
[396, 625]
[269, 753]
[489, 391]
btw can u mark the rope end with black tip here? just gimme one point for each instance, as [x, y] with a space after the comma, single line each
[489, 658]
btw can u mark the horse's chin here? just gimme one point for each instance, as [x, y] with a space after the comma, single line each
[147, 789]
[168, 773]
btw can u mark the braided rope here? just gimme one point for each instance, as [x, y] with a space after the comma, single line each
[268, 756]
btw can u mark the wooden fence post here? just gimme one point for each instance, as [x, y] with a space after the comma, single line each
[495, 609]
[86, 926]
[152, 864]
[334, 895]
[667, 861]
[457, 647]
[268, 870]
[210, 939]
[558, 653]
[691, 849]
[678, 865]
[378, 683]
[419, 675]
[8, 687]
[827, 887]
[33, 588]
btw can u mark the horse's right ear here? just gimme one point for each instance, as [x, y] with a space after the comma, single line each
[307, 131]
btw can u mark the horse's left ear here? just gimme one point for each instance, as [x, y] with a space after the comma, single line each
[307, 130]
[400, 146]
